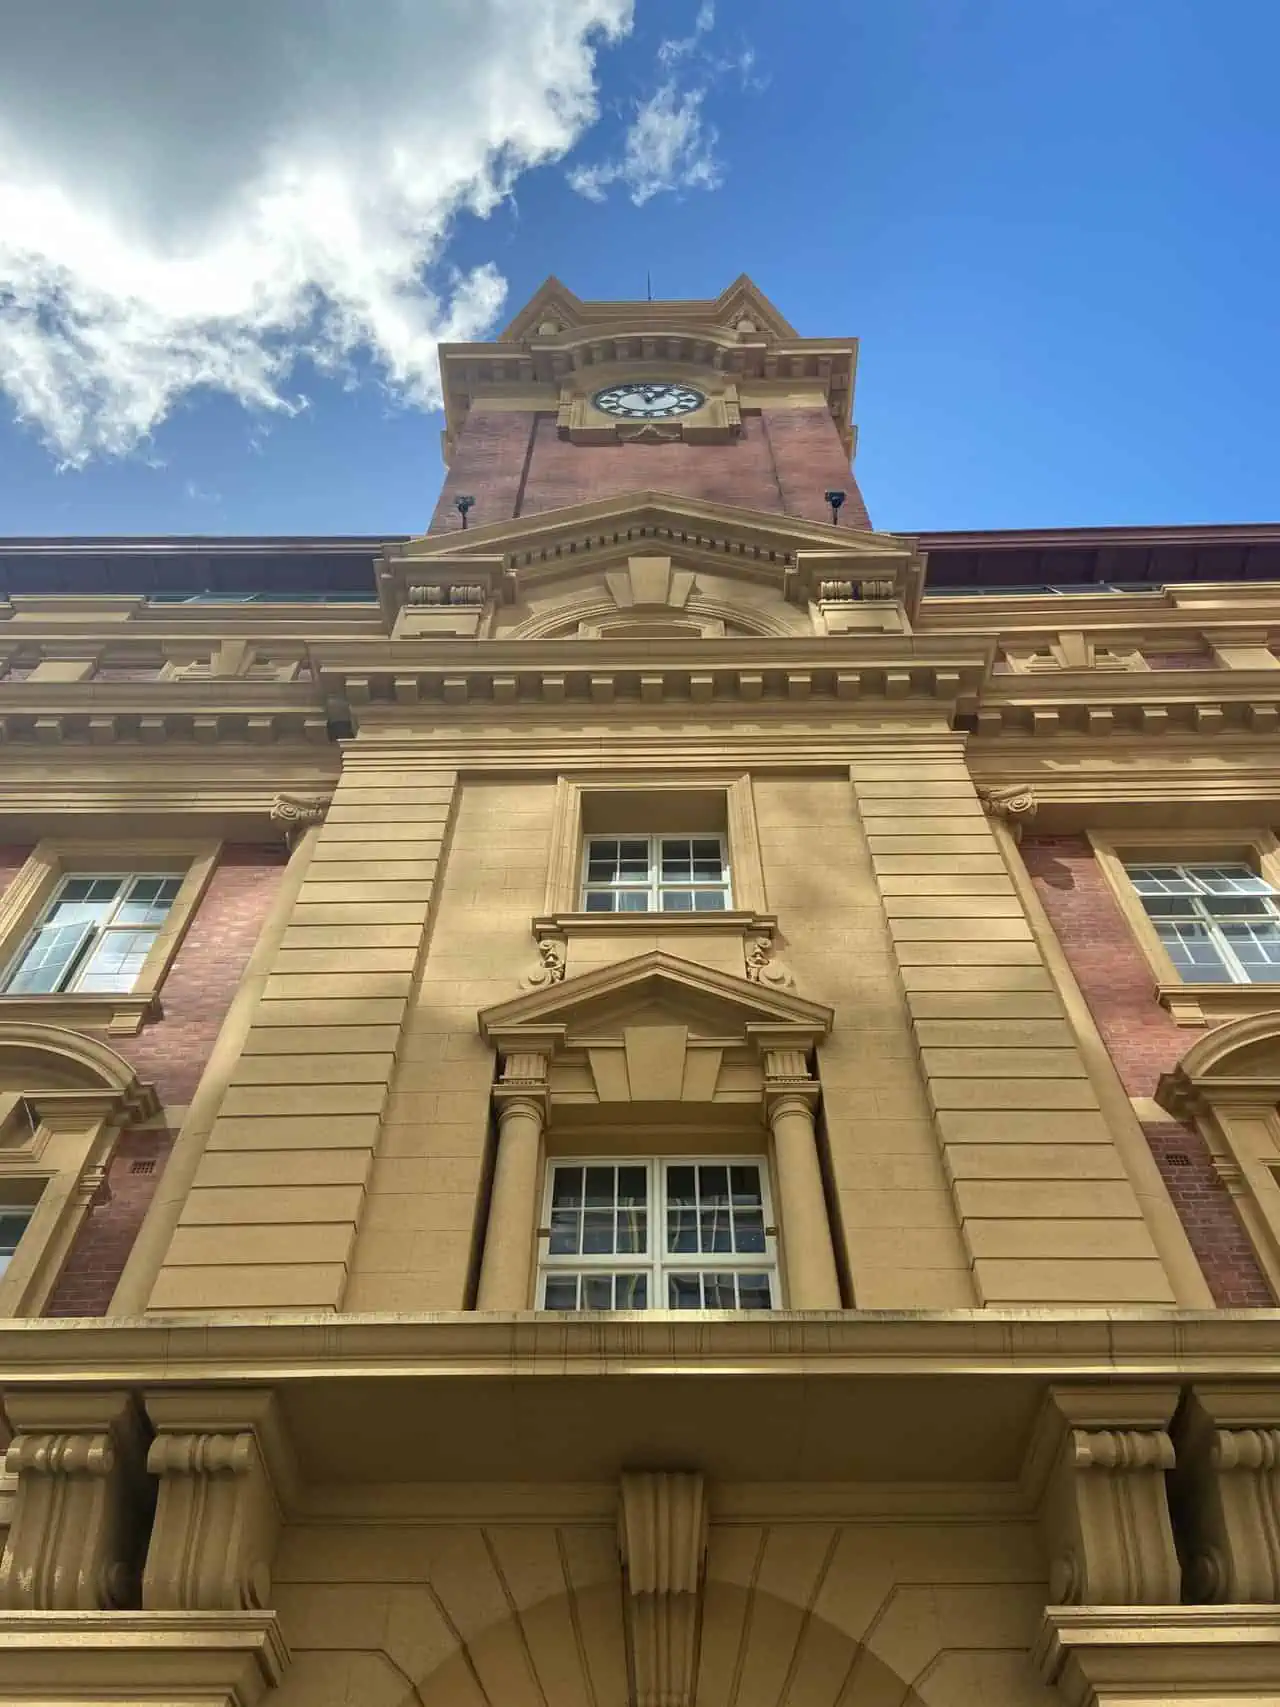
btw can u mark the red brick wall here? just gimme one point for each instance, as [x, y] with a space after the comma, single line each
[171, 1053]
[488, 465]
[783, 462]
[809, 460]
[1144, 1042]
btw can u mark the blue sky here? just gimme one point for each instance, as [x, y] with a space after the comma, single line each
[1053, 224]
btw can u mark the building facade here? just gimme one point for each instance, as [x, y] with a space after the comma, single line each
[653, 1098]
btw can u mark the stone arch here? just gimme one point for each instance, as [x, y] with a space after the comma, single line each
[64, 1098]
[706, 618]
[1227, 1086]
[574, 1653]
[36, 1058]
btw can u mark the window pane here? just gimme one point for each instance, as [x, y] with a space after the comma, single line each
[632, 900]
[715, 1220]
[677, 860]
[677, 901]
[684, 1292]
[682, 1210]
[1170, 906]
[1257, 948]
[748, 1210]
[1237, 906]
[1193, 952]
[708, 901]
[1230, 880]
[1160, 880]
[753, 1292]
[718, 1292]
[49, 959]
[148, 901]
[631, 1292]
[13, 1224]
[600, 901]
[561, 1292]
[116, 961]
[597, 1292]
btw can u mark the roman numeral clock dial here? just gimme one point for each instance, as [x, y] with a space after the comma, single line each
[648, 400]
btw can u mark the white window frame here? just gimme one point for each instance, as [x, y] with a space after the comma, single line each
[657, 1264]
[1237, 971]
[653, 887]
[93, 933]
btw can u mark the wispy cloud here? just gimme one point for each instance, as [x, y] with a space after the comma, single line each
[198, 197]
[669, 144]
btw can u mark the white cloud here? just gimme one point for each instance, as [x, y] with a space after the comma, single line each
[195, 196]
[668, 146]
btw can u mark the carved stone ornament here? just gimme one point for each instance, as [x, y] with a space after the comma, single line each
[223, 1462]
[1015, 805]
[549, 967]
[298, 812]
[83, 1504]
[1098, 1482]
[762, 965]
[1227, 1490]
[434, 593]
[662, 1537]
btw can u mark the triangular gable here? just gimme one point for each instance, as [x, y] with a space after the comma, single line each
[711, 1003]
[551, 301]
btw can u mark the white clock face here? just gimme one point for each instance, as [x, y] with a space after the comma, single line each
[648, 400]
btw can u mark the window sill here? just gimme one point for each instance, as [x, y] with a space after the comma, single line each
[120, 1015]
[1207, 1004]
[583, 924]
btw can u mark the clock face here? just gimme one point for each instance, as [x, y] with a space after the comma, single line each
[648, 400]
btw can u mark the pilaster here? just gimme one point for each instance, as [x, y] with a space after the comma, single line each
[271, 1218]
[1046, 1208]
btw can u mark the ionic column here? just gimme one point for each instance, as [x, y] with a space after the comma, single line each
[790, 1098]
[508, 1242]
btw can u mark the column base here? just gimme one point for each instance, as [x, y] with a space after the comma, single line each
[1196, 1656]
[172, 1659]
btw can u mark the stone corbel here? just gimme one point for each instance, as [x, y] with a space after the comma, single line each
[1015, 806]
[226, 1473]
[83, 1505]
[298, 812]
[1096, 1469]
[1226, 1490]
[662, 1538]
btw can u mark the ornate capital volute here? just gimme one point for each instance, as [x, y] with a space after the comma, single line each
[298, 812]
[1226, 1490]
[227, 1474]
[1096, 1469]
[662, 1539]
[83, 1504]
[1015, 806]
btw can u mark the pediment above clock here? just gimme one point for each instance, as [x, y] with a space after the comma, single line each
[559, 556]
[742, 310]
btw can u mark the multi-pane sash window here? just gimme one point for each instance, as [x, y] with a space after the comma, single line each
[655, 874]
[13, 1224]
[1220, 924]
[94, 936]
[658, 1235]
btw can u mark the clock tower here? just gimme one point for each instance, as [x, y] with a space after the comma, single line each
[717, 400]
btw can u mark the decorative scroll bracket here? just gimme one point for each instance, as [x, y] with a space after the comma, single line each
[662, 1538]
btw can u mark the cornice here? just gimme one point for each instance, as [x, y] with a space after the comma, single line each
[890, 668]
[212, 1348]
